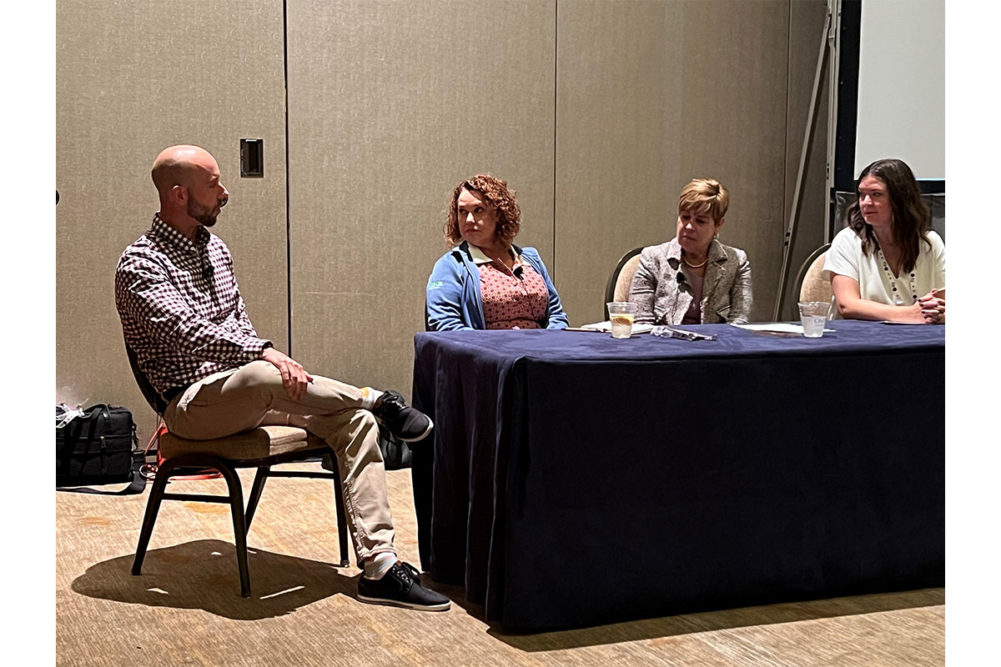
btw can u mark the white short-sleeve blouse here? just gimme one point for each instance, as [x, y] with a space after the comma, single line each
[845, 258]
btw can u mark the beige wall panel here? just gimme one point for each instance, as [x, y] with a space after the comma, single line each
[391, 103]
[132, 78]
[654, 93]
[735, 84]
[806, 24]
[615, 140]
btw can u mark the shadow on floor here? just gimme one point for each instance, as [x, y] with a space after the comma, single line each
[724, 619]
[203, 574]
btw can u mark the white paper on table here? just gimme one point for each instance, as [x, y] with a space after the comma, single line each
[777, 328]
[606, 327]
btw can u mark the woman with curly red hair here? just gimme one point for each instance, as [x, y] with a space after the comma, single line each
[485, 281]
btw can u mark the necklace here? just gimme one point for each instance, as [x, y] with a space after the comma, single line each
[694, 266]
[897, 300]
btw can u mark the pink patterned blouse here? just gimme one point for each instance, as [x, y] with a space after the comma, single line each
[512, 298]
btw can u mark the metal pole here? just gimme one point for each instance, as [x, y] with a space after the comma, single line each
[833, 41]
[811, 122]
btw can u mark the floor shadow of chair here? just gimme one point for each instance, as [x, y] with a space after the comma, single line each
[202, 574]
[723, 619]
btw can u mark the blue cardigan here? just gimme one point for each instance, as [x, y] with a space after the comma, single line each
[453, 294]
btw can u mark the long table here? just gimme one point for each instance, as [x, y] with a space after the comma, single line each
[576, 479]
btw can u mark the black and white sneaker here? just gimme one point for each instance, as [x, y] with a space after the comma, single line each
[404, 422]
[401, 587]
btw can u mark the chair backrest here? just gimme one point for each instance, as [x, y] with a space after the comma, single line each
[812, 285]
[149, 393]
[617, 288]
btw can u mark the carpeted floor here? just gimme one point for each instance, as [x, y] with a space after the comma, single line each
[186, 607]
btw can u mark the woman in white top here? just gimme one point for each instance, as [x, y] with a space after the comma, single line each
[887, 264]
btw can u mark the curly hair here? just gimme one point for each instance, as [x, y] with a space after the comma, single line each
[705, 195]
[496, 193]
[911, 216]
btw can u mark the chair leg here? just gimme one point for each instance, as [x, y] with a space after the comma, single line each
[342, 523]
[239, 525]
[255, 493]
[149, 518]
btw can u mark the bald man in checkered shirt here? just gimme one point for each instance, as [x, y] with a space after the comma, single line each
[183, 316]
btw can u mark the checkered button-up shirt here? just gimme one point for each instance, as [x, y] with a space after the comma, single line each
[180, 307]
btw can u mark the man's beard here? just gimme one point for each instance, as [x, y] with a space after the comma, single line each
[203, 214]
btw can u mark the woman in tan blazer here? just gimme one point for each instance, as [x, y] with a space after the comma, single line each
[693, 278]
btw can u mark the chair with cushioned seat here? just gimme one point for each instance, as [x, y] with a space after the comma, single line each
[810, 282]
[617, 288]
[260, 448]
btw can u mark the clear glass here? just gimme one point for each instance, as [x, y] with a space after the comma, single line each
[621, 315]
[813, 316]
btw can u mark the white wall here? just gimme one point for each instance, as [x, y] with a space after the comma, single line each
[901, 87]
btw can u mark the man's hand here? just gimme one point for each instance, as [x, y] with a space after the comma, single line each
[294, 376]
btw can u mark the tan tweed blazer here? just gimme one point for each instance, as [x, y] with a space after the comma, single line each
[662, 293]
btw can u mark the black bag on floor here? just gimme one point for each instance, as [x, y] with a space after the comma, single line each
[97, 446]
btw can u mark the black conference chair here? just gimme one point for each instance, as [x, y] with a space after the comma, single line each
[260, 448]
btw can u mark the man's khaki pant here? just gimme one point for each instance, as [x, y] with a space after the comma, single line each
[252, 395]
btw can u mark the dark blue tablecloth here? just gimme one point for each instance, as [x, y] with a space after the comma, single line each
[577, 479]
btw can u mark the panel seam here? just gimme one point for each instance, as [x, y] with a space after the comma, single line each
[288, 206]
[785, 152]
[556, 71]
[786, 204]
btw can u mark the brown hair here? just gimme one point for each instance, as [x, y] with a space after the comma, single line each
[496, 193]
[705, 195]
[911, 216]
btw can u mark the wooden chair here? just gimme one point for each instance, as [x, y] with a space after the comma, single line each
[260, 448]
[617, 288]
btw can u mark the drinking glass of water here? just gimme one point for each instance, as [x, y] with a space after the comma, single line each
[621, 315]
[813, 316]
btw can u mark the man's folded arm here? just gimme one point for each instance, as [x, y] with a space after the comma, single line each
[242, 319]
[144, 293]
